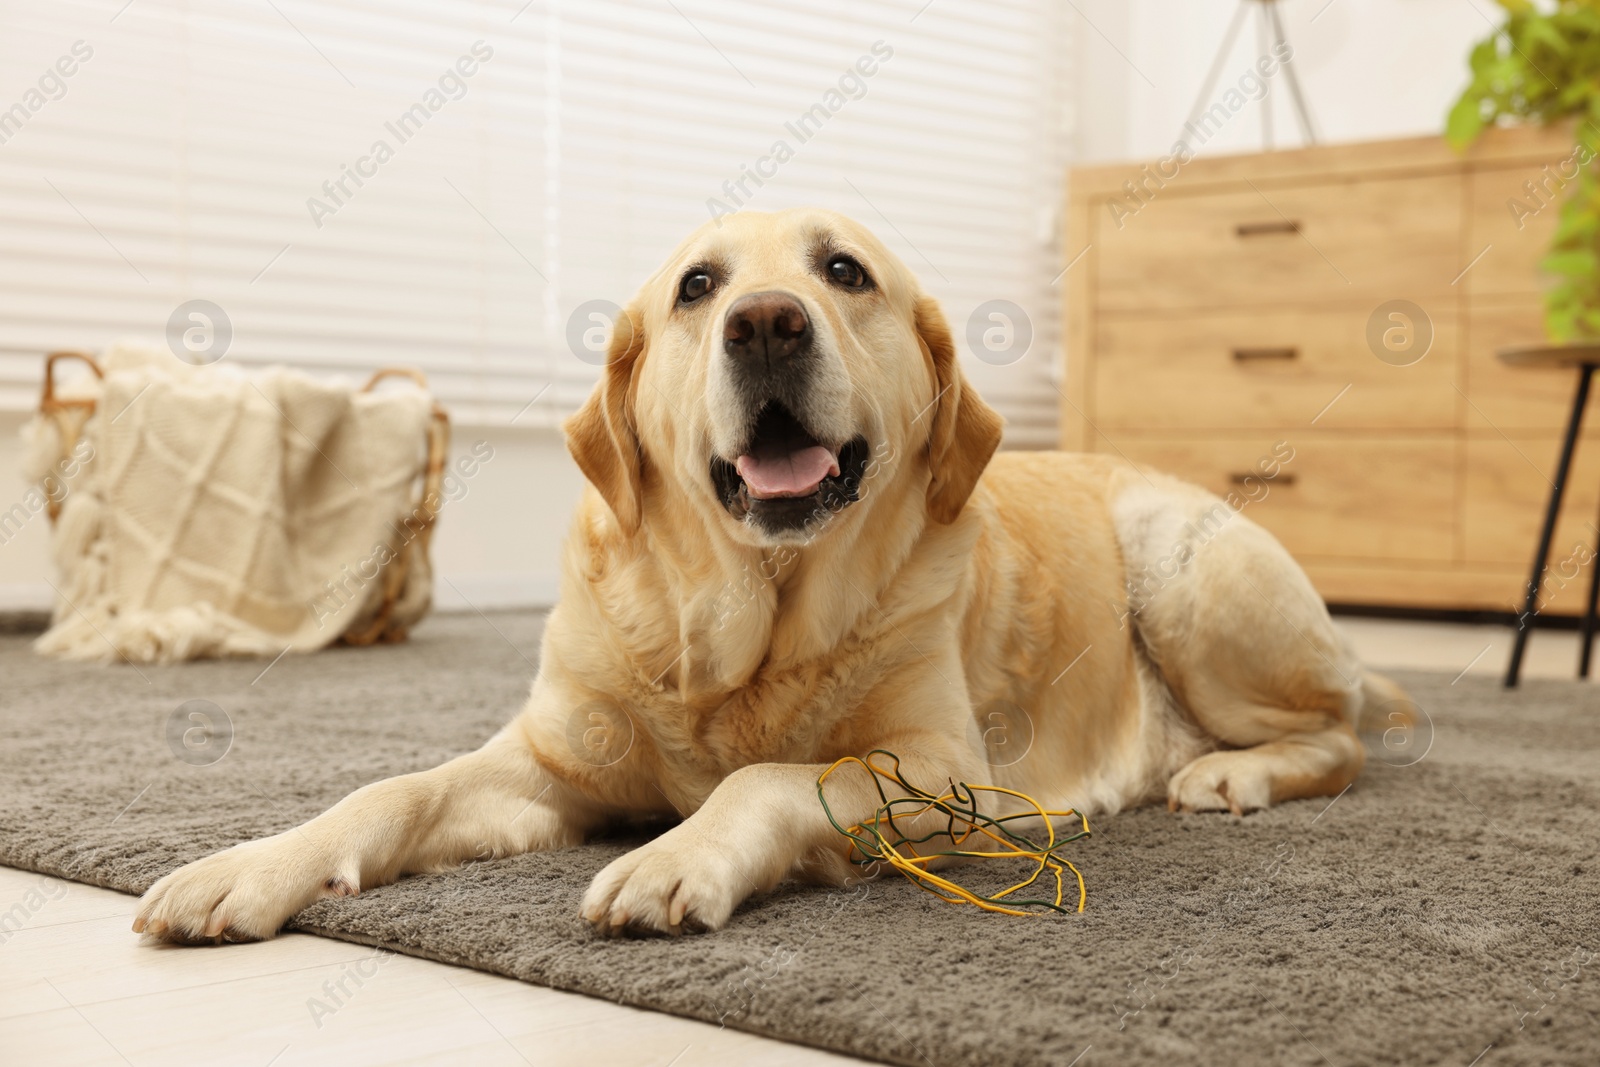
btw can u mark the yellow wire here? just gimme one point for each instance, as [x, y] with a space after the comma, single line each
[913, 867]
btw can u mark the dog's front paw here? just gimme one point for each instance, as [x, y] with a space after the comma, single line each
[673, 884]
[245, 893]
[1221, 781]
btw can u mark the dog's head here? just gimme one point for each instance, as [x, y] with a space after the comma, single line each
[771, 371]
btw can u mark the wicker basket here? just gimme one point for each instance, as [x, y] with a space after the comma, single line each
[71, 414]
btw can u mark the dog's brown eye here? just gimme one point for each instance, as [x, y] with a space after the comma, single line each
[847, 272]
[695, 284]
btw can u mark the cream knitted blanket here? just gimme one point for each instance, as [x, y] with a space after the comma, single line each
[225, 512]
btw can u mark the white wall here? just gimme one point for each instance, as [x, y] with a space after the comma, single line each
[1371, 69]
[500, 543]
[25, 558]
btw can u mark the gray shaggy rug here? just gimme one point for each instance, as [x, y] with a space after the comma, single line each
[1443, 911]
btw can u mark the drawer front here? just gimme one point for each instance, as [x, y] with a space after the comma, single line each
[1348, 496]
[1504, 494]
[1420, 585]
[1268, 369]
[1511, 398]
[1366, 241]
[1513, 213]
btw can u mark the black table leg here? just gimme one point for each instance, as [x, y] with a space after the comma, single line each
[1552, 513]
[1587, 635]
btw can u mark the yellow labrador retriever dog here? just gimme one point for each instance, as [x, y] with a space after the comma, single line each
[797, 544]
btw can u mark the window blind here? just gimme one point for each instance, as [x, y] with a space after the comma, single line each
[359, 184]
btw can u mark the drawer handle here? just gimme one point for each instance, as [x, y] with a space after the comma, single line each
[1246, 355]
[1266, 229]
[1281, 478]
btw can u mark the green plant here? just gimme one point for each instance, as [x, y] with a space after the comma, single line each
[1543, 65]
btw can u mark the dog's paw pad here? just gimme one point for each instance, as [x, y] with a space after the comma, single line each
[1221, 781]
[242, 894]
[671, 886]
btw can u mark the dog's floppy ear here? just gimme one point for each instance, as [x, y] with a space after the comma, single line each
[601, 436]
[965, 432]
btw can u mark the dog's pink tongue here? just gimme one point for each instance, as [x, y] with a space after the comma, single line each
[788, 473]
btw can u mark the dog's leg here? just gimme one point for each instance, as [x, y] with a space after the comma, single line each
[493, 802]
[755, 828]
[1312, 764]
[1280, 690]
[1248, 649]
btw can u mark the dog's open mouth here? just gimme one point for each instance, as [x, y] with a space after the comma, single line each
[785, 477]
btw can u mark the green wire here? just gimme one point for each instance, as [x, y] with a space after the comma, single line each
[963, 807]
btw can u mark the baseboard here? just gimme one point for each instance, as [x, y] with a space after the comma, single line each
[1543, 620]
[22, 598]
[527, 590]
[477, 591]
[522, 590]
[492, 591]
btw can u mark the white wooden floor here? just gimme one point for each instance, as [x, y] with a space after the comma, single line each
[77, 987]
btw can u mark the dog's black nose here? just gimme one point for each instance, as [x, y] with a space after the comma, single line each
[766, 329]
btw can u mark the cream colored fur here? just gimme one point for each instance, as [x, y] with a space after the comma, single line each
[974, 617]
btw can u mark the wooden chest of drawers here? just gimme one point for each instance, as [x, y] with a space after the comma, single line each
[1230, 306]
